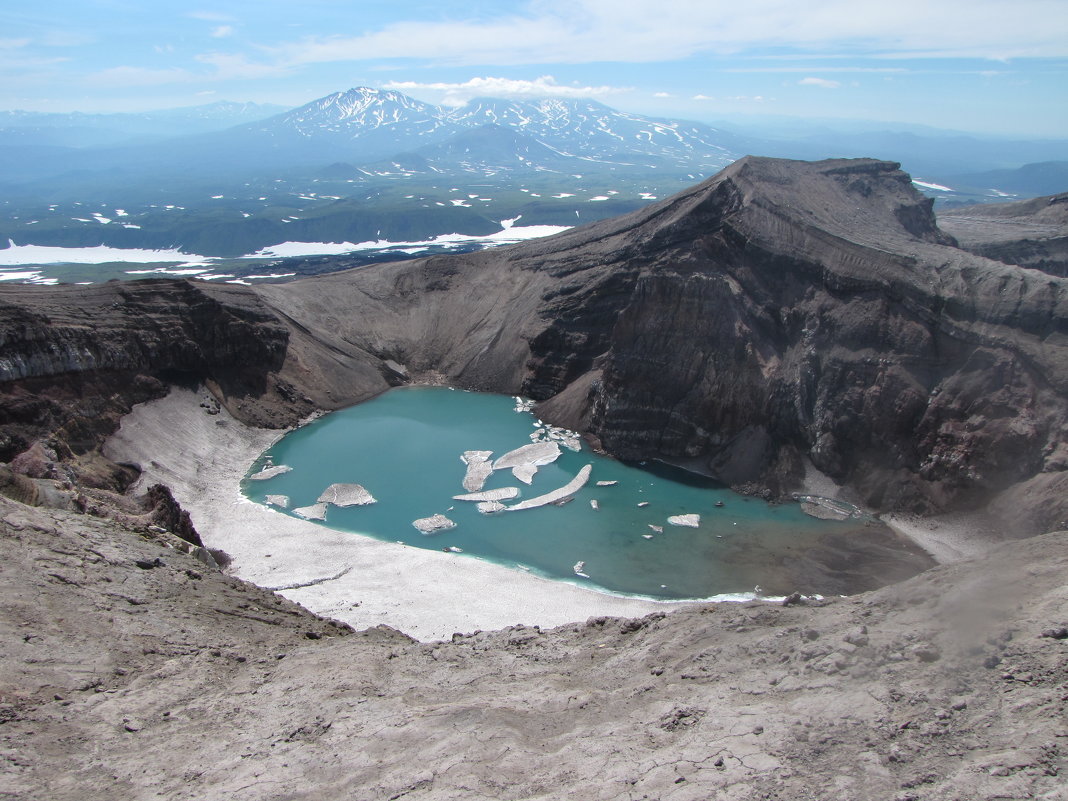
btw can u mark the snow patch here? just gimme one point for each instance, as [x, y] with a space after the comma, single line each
[507, 235]
[14, 255]
[928, 185]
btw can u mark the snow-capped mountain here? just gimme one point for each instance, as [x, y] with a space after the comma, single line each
[365, 124]
[358, 113]
[593, 130]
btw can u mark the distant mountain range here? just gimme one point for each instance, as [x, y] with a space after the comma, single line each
[76, 129]
[361, 126]
[370, 164]
[364, 124]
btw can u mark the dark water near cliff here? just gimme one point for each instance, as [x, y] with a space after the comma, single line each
[405, 447]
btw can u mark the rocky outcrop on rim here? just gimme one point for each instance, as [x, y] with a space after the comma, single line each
[1029, 233]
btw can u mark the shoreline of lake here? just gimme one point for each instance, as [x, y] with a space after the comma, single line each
[360, 580]
[426, 594]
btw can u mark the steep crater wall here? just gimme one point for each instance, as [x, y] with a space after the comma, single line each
[73, 359]
[778, 314]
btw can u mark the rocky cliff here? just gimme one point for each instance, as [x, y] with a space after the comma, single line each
[73, 359]
[777, 314]
[1029, 233]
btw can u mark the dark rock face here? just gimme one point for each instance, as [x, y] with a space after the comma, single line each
[74, 359]
[779, 311]
[150, 326]
[1029, 233]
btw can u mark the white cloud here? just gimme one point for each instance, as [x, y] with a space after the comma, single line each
[12, 44]
[123, 77]
[823, 83]
[663, 94]
[546, 85]
[210, 16]
[584, 31]
[222, 31]
[702, 97]
[229, 66]
[225, 67]
[836, 69]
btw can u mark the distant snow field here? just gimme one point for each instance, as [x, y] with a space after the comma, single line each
[508, 234]
[175, 262]
[14, 255]
[936, 187]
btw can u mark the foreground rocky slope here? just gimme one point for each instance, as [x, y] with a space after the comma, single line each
[779, 314]
[131, 671]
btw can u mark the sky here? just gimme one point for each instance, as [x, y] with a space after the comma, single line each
[984, 66]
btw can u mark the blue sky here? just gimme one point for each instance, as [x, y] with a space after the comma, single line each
[988, 66]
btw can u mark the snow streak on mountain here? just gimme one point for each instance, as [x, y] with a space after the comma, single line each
[535, 133]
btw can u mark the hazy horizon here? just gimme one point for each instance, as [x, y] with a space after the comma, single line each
[979, 67]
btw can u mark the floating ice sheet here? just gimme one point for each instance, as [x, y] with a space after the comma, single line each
[317, 511]
[537, 453]
[346, 495]
[479, 469]
[433, 524]
[270, 472]
[691, 521]
[564, 492]
[502, 494]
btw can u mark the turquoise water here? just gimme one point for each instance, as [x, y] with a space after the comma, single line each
[404, 447]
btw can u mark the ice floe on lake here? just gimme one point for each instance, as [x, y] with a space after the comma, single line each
[537, 453]
[346, 495]
[479, 468]
[564, 493]
[316, 511]
[270, 472]
[691, 520]
[433, 524]
[502, 494]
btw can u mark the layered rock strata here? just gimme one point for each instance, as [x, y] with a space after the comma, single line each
[1030, 233]
[779, 313]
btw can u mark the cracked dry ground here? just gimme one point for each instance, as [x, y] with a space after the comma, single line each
[168, 680]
